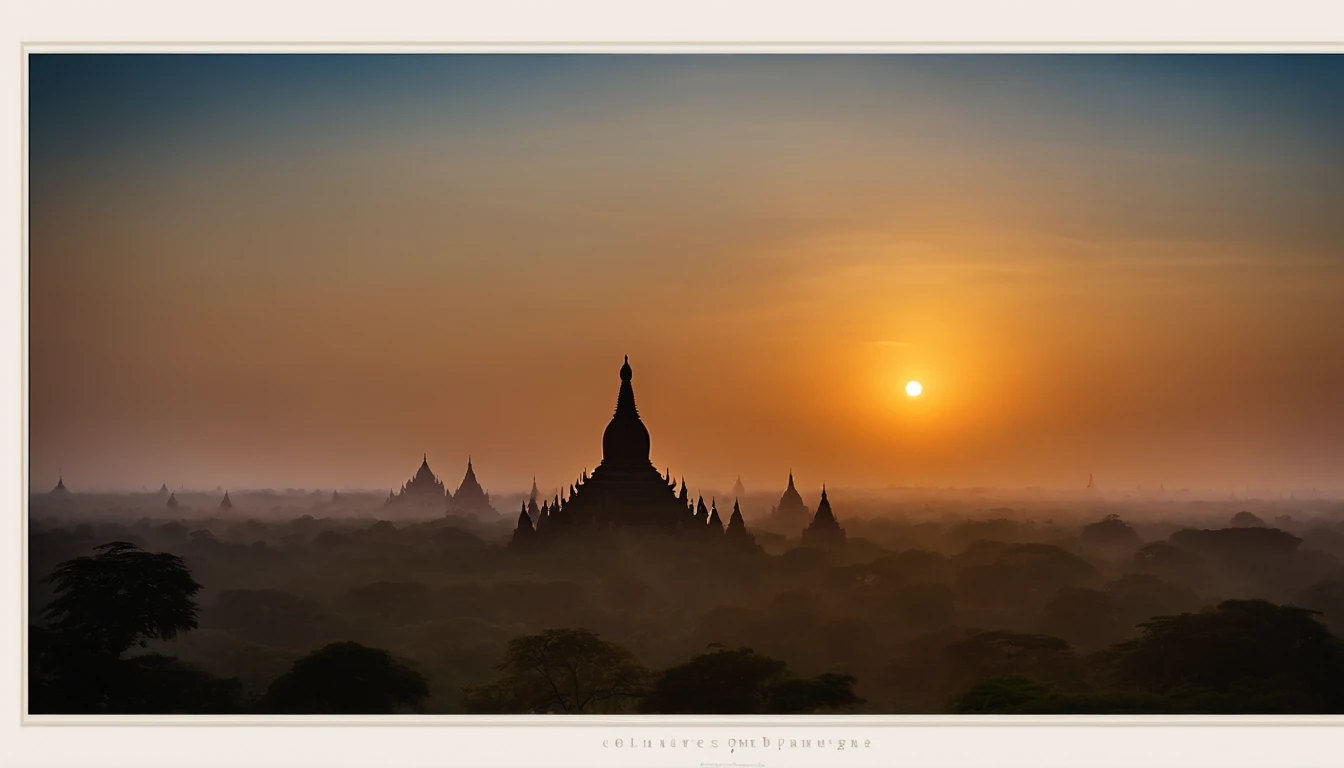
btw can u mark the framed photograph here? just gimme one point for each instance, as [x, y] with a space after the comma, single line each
[783, 397]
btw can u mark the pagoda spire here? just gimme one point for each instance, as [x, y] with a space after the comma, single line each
[715, 522]
[737, 527]
[524, 533]
[625, 442]
[825, 530]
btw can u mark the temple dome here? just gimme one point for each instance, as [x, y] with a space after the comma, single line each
[626, 440]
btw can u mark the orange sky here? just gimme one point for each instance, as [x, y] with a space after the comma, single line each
[270, 275]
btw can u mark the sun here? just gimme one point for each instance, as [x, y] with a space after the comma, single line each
[914, 389]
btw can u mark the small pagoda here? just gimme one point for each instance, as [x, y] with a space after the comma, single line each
[737, 533]
[524, 535]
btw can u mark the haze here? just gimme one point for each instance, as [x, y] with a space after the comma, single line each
[306, 271]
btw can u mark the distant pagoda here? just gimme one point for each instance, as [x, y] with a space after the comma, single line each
[738, 490]
[424, 487]
[533, 511]
[226, 504]
[173, 503]
[471, 497]
[791, 513]
[60, 489]
[825, 530]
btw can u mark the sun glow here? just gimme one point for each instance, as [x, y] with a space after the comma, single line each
[914, 389]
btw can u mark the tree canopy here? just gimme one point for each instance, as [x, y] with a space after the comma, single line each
[740, 681]
[564, 671]
[346, 679]
[122, 596]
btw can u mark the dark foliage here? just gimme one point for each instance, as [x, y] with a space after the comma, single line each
[738, 682]
[346, 679]
[120, 597]
[562, 671]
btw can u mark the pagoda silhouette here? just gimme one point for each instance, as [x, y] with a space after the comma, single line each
[60, 489]
[825, 530]
[737, 533]
[226, 504]
[791, 513]
[625, 491]
[424, 487]
[471, 498]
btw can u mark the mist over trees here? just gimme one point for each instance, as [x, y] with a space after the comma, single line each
[301, 604]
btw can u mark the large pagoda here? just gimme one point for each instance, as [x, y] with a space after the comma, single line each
[423, 487]
[471, 497]
[625, 490]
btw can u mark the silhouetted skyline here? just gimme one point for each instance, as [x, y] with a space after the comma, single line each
[303, 270]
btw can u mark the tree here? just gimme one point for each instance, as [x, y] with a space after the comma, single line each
[1000, 695]
[1086, 618]
[106, 604]
[827, 691]
[740, 681]
[1243, 656]
[1002, 653]
[1021, 696]
[723, 682]
[568, 671]
[346, 679]
[121, 597]
[1328, 598]
[1110, 535]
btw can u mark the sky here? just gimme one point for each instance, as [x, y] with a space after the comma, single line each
[307, 270]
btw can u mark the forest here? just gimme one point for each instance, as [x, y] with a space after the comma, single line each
[293, 603]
